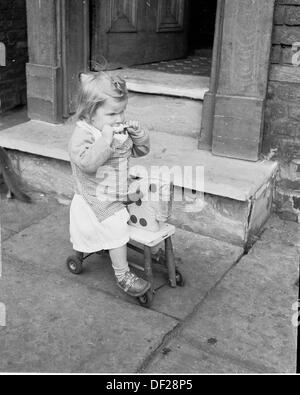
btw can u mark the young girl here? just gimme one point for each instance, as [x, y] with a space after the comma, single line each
[100, 149]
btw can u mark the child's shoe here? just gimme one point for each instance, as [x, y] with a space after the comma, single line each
[133, 285]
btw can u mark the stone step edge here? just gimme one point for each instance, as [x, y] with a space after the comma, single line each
[62, 155]
[165, 84]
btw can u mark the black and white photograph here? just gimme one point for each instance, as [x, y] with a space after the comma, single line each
[149, 190]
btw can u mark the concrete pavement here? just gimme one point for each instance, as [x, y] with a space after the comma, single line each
[233, 315]
[244, 325]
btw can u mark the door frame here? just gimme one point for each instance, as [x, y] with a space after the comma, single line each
[233, 110]
[50, 39]
[53, 67]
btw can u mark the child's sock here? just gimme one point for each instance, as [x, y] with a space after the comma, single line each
[120, 270]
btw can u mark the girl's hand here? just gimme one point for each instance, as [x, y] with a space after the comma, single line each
[108, 133]
[133, 128]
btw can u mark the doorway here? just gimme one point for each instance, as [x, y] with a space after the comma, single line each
[135, 32]
[201, 30]
[14, 55]
[174, 36]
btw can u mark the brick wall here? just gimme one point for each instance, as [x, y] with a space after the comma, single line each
[13, 34]
[282, 124]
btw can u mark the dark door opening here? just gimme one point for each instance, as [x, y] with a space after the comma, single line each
[202, 25]
[13, 36]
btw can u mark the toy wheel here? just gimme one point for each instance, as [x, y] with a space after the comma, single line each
[146, 300]
[179, 279]
[74, 265]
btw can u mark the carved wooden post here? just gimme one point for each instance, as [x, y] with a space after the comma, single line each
[241, 81]
[244, 70]
[43, 70]
[205, 141]
[58, 49]
[75, 49]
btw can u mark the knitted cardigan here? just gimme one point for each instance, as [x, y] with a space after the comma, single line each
[100, 171]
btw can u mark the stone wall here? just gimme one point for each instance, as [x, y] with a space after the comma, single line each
[282, 124]
[13, 34]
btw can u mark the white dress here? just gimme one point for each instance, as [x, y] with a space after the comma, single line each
[88, 235]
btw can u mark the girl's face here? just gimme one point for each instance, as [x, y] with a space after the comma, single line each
[112, 113]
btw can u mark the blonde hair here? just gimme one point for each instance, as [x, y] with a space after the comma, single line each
[95, 89]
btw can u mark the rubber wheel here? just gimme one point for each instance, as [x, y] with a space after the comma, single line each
[179, 279]
[146, 300]
[74, 265]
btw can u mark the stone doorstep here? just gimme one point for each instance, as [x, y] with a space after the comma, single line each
[229, 178]
[237, 193]
[160, 83]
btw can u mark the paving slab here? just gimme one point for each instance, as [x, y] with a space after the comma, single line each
[182, 357]
[204, 261]
[248, 316]
[16, 216]
[5, 233]
[56, 325]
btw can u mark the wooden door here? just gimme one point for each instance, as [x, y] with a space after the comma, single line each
[132, 32]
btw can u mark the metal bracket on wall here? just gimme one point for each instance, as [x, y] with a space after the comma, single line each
[2, 55]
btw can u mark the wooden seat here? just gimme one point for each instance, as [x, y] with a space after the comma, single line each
[151, 239]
